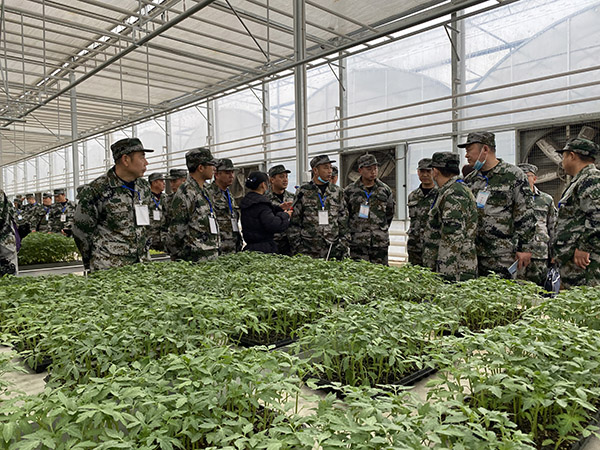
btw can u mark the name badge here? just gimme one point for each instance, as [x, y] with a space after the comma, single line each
[323, 217]
[156, 214]
[63, 217]
[363, 212]
[20, 217]
[47, 217]
[513, 268]
[234, 225]
[212, 223]
[482, 198]
[142, 215]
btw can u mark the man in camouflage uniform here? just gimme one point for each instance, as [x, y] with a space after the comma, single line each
[155, 230]
[545, 216]
[577, 238]
[22, 226]
[451, 228]
[8, 240]
[279, 196]
[419, 204]
[319, 222]
[31, 211]
[62, 214]
[112, 218]
[176, 178]
[41, 217]
[370, 213]
[226, 209]
[193, 228]
[506, 225]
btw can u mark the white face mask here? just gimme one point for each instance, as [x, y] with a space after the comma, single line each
[479, 164]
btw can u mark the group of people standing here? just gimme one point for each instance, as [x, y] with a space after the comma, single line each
[496, 220]
[121, 215]
[49, 216]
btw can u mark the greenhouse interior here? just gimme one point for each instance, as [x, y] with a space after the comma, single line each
[299, 224]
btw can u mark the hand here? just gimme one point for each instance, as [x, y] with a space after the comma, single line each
[286, 205]
[524, 259]
[289, 212]
[581, 259]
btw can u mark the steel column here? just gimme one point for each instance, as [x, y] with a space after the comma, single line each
[74, 149]
[300, 91]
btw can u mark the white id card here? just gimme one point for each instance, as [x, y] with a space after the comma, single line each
[323, 217]
[234, 225]
[63, 217]
[47, 217]
[142, 215]
[20, 217]
[363, 212]
[212, 223]
[513, 268]
[156, 214]
[482, 198]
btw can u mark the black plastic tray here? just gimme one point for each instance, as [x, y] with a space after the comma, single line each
[42, 366]
[581, 443]
[247, 342]
[409, 380]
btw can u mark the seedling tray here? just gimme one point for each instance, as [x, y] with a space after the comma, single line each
[248, 342]
[409, 380]
[42, 366]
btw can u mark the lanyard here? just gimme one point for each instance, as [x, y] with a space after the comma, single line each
[47, 208]
[487, 180]
[156, 203]
[134, 191]
[322, 200]
[63, 209]
[228, 196]
[368, 194]
[209, 202]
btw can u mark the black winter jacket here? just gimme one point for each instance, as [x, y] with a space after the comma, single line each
[260, 221]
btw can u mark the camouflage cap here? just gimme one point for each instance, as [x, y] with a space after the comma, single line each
[480, 137]
[175, 174]
[445, 160]
[528, 168]
[18, 197]
[334, 171]
[59, 191]
[127, 146]
[582, 146]
[367, 160]
[155, 176]
[276, 170]
[225, 164]
[201, 155]
[46, 195]
[28, 195]
[424, 164]
[320, 160]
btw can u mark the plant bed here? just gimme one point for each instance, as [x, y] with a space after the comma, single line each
[273, 343]
[545, 374]
[46, 248]
[51, 265]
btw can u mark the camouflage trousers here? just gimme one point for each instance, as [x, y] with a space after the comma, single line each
[571, 275]
[535, 272]
[376, 255]
[415, 258]
[499, 265]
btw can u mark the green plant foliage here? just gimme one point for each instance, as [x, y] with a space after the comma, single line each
[545, 374]
[45, 248]
[378, 343]
[580, 305]
[489, 302]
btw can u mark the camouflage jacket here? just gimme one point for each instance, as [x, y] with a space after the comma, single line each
[31, 215]
[41, 218]
[8, 242]
[306, 235]
[545, 217]
[506, 223]
[451, 231]
[578, 225]
[104, 225]
[231, 241]
[190, 237]
[281, 239]
[156, 229]
[419, 205]
[374, 230]
[60, 211]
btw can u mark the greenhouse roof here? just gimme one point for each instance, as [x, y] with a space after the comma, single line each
[133, 59]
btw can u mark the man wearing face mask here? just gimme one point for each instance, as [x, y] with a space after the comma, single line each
[419, 204]
[506, 225]
[319, 223]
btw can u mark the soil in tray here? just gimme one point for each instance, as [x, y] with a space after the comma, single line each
[409, 380]
[277, 341]
[41, 366]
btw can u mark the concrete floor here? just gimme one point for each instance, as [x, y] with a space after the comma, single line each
[31, 383]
